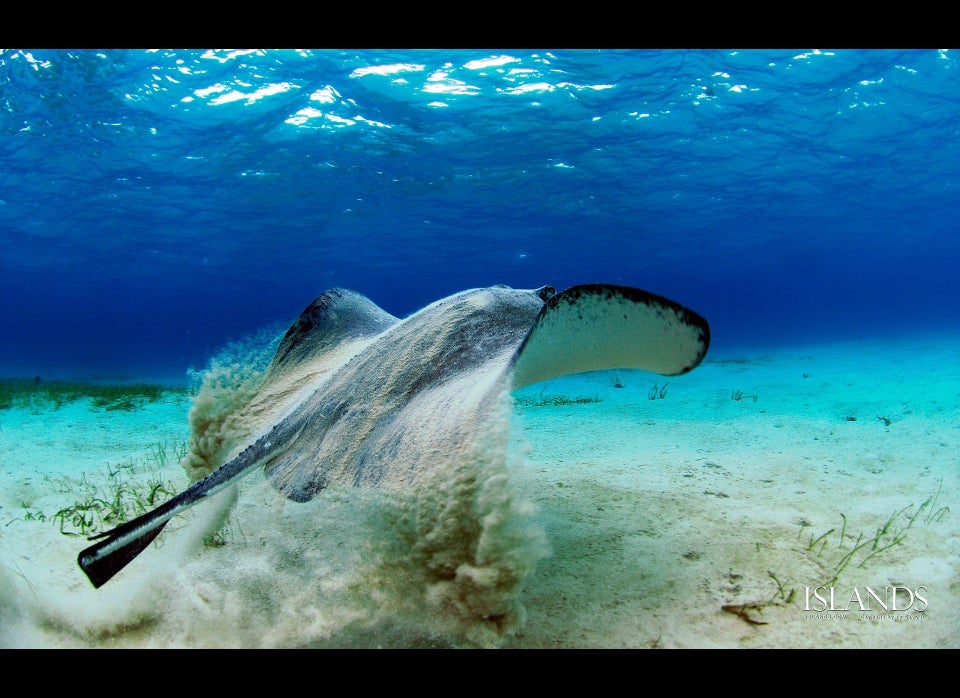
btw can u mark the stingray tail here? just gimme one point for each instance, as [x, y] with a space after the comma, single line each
[122, 544]
[104, 559]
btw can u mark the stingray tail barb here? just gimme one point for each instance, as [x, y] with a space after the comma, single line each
[119, 546]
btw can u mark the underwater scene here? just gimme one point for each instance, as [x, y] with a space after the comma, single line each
[468, 348]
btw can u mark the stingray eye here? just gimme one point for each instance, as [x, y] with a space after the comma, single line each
[546, 292]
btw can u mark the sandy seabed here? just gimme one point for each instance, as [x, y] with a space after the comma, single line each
[719, 511]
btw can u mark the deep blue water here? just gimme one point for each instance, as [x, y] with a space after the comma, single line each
[156, 204]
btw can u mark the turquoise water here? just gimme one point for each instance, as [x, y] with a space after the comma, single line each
[159, 203]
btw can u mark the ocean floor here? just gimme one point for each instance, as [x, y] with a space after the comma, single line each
[720, 509]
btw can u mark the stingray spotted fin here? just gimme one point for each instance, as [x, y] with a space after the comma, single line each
[593, 327]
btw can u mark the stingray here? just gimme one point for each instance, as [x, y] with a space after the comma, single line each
[356, 396]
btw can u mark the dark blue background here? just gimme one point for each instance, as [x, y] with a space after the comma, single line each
[155, 204]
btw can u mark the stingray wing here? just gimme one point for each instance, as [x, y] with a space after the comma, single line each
[594, 327]
[335, 318]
